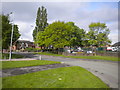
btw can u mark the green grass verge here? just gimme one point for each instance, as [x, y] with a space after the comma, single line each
[109, 58]
[14, 56]
[47, 53]
[16, 64]
[65, 77]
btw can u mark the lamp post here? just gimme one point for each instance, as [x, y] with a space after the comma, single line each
[11, 40]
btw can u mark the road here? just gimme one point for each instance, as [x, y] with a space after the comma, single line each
[105, 70]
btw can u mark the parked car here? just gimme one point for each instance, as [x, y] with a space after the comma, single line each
[109, 48]
[89, 52]
[114, 49]
[74, 52]
[80, 49]
[68, 51]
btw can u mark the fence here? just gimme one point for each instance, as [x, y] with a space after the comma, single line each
[101, 51]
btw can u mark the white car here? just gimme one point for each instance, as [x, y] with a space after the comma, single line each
[89, 52]
[109, 48]
[68, 51]
[74, 52]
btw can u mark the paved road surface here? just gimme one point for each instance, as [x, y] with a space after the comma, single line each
[106, 71]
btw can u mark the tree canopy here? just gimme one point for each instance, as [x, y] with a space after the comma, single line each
[56, 34]
[41, 21]
[77, 35]
[60, 34]
[98, 34]
[6, 32]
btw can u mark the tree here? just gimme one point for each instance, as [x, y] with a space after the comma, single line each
[61, 34]
[77, 35]
[41, 21]
[56, 34]
[98, 34]
[6, 32]
[85, 40]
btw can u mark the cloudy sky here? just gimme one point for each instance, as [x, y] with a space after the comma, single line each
[82, 13]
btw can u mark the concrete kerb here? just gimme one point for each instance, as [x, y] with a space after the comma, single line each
[22, 59]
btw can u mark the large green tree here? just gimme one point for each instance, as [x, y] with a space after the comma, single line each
[61, 34]
[6, 32]
[41, 21]
[98, 34]
[76, 38]
[56, 34]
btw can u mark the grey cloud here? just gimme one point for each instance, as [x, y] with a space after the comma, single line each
[25, 12]
[113, 26]
[104, 14]
[77, 12]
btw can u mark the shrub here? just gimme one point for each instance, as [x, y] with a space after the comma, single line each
[32, 49]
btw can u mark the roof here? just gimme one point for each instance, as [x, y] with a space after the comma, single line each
[24, 41]
[116, 44]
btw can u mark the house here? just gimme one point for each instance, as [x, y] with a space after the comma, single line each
[116, 46]
[22, 44]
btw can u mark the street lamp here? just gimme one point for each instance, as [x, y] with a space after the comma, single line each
[11, 39]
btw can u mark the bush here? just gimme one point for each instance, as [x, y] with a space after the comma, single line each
[32, 49]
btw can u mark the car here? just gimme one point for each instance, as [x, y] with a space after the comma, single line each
[74, 52]
[89, 52]
[109, 48]
[68, 51]
[114, 49]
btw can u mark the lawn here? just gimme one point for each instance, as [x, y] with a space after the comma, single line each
[14, 56]
[16, 64]
[47, 53]
[108, 58]
[65, 77]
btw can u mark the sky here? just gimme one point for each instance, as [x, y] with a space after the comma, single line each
[81, 13]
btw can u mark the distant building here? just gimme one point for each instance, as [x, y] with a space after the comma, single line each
[116, 44]
[22, 44]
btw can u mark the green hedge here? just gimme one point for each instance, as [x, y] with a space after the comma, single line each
[32, 49]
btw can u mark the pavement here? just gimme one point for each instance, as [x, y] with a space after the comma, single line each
[107, 71]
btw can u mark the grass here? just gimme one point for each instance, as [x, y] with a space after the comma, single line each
[47, 53]
[14, 56]
[109, 58]
[65, 77]
[16, 64]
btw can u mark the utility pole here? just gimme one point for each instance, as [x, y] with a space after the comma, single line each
[11, 39]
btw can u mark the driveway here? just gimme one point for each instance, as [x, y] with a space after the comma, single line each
[107, 71]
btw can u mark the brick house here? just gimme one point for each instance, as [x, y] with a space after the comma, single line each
[22, 44]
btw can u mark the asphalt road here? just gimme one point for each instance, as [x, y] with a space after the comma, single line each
[105, 70]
